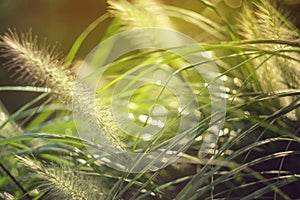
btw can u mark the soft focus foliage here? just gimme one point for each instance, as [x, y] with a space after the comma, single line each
[254, 44]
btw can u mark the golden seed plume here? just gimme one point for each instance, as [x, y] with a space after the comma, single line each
[39, 66]
[139, 14]
[43, 66]
[260, 20]
[63, 182]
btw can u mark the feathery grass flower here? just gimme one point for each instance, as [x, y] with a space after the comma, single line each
[63, 182]
[43, 66]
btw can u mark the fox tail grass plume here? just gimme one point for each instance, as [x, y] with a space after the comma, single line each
[140, 14]
[43, 66]
[268, 20]
[38, 66]
[63, 182]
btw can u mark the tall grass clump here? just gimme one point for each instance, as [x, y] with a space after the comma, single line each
[256, 49]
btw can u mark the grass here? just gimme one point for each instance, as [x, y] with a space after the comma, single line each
[256, 156]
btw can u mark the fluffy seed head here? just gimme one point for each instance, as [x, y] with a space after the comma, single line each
[43, 66]
[63, 182]
[139, 14]
[36, 65]
[261, 21]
